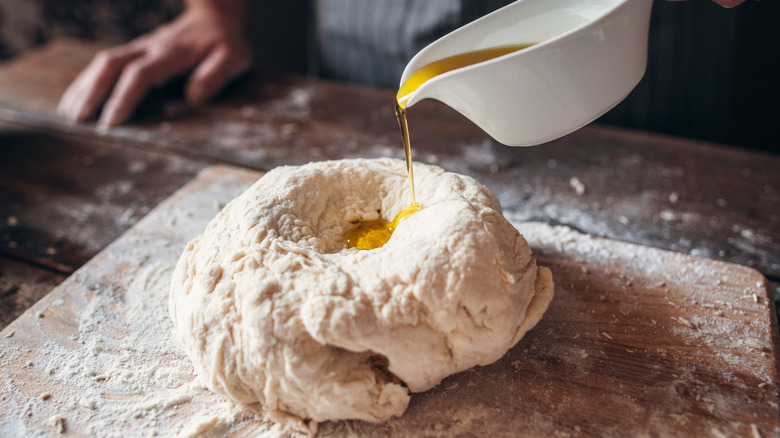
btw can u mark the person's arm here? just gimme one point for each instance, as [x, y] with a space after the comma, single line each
[207, 39]
[729, 3]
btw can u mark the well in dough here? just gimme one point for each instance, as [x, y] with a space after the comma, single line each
[275, 312]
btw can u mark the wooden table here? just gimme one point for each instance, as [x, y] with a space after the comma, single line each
[67, 191]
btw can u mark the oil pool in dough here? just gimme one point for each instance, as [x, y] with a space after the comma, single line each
[275, 312]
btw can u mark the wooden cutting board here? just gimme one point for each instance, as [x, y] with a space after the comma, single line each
[637, 342]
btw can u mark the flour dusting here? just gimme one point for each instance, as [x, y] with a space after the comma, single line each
[638, 341]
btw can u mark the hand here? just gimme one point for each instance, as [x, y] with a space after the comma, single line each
[206, 39]
[729, 3]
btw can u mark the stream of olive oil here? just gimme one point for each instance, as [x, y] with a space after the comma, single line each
[374, 234]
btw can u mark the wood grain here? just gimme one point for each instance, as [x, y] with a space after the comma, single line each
[21, 285]
[638, 341]
[63, 199]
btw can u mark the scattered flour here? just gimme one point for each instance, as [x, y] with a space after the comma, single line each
[113, 370]
[268, 300]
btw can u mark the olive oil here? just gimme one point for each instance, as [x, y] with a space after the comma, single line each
[444, 65]
[400, 114]
[374, 234]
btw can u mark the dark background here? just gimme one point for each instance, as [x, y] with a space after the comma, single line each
[712, 72]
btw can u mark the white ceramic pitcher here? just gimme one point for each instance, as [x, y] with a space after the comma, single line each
[587, 56]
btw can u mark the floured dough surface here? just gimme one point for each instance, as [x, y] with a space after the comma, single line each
[275, 312]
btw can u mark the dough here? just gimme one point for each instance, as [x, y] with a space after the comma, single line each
[275, 312]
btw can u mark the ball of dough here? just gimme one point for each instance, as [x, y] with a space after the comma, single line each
[275, 312]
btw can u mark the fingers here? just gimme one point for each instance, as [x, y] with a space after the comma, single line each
[222, 64]
[89, 90]
[119, 78]
[729, 3]
[140, 76]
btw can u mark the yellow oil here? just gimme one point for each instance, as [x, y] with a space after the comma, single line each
[374, 234]
[444, 65]
[400, 114]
